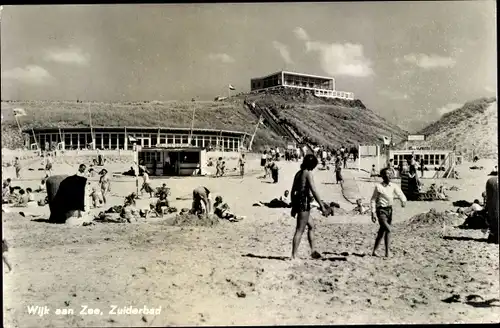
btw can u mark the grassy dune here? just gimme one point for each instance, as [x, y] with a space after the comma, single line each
[474, 126]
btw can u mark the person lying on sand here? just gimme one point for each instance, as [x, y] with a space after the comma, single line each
[282, 202]
[303, 190]
[222, 211]
[381, 207]
[470, 211]
[202, 201]
[5, 248]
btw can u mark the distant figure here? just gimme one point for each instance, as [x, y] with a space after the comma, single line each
[345, 157]
[218, 165]
[105, 184]
[223, 168]
[381, 207]
[146, 185]
[390, 168]
[273, 167]
[476, 158]
[338, 171]
[17, 166]
[373, 173]
[360, 208]
[303, 191]
[241, 163]
[422, 167]
[48, 165]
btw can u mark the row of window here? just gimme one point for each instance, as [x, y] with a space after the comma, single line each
[340, 94]
[117, 140]
[429, 159]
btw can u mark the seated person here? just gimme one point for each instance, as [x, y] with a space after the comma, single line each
[41, 186]
[222, 210]
[161, 204]
[21, 199]
[129, 211]
[360, 207]
[31, 202]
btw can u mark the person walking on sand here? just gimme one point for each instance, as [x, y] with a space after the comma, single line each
[381, 207]
[303, 190]
[146, 185]
[105, 184]
[17, 166]
[241, 163]
[263, 163]
[48, 165]
[338, 171]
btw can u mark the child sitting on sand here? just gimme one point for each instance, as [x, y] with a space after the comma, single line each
[360, 208]
[41, 186]
[30, 198]
[222, 210]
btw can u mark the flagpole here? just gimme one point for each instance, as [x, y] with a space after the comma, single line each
[91, 130]
[255, 132]
[34, 137]
[192, 127]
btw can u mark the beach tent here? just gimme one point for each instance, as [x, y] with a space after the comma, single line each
[66, 194]
[492, 207]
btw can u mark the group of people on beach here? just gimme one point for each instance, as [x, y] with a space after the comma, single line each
[304, 191]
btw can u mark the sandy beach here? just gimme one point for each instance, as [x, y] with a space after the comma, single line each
[237, 273]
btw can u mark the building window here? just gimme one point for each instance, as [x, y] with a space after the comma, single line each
[121, 141]
[185, 140]
[177, 139]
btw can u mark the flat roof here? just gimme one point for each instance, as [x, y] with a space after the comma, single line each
[134, 129]
[172, 148]
[294, 73]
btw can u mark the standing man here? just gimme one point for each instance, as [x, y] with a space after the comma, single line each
[241, 162]
[17, 166]
[381, 207]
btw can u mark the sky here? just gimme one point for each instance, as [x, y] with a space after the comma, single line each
[410, 62]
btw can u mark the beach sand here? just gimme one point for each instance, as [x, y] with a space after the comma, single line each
[235, 273]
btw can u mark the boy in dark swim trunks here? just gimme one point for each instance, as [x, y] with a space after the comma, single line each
[303, 191]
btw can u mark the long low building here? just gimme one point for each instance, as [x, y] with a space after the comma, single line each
[321, 86]
[110, 138]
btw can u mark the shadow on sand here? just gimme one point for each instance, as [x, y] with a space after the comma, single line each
[483, 240]
[285, 258]
[270, 182]
[344, 254]
[44, 221]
